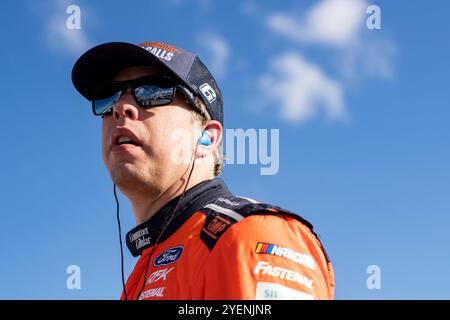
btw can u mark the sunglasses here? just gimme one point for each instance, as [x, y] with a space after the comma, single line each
[148, 92]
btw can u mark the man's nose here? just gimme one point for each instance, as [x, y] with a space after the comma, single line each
[126, 107]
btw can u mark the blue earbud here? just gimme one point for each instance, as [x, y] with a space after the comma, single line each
[204, 140]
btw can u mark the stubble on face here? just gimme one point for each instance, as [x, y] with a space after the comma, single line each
[147, 169]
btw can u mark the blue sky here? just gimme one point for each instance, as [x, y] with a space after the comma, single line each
[363, 125]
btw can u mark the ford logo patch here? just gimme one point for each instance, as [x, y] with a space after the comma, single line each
[169, 256]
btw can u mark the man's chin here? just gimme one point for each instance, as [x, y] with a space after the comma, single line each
[125, 174]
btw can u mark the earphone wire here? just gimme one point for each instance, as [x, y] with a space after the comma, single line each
[168, 222]
[121, 245]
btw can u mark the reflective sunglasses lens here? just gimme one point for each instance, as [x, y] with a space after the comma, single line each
[150, 95]
[104, 106]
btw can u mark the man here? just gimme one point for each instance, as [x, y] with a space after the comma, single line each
[162, 131]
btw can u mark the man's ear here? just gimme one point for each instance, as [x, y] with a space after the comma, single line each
[213, 129]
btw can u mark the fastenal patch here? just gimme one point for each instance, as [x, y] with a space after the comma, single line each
[154, 292]
[273, 249]
[169, 256]
[264, 268]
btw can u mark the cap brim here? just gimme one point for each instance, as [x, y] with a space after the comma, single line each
[101, 63]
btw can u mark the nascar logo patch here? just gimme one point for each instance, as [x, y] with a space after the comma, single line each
[288, 253]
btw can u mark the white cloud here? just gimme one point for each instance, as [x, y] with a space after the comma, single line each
[340, 24]
[300, 89]
[354, 51]
[219, 52]
[330, 22]
[378, 55]
[57, 35]
[373, 57]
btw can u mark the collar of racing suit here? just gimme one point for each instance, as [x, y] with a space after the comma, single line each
[145, 234]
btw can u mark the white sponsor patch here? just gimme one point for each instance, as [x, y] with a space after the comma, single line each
[141, 242]
[208, 92]
[138, 234]
[275, 291]
[266, 268]
[160, 53]
[159, 275]
[231, 203]
[155, 292]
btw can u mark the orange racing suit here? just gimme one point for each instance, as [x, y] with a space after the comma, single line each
[219, 246]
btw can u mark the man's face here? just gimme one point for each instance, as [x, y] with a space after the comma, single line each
[154, 163]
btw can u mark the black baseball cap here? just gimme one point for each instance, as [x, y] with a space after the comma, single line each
[101, 63]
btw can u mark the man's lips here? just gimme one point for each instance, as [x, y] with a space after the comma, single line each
[123, 147]
[124, 139]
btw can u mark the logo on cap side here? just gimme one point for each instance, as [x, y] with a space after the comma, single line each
[208, 92]
[160, 50]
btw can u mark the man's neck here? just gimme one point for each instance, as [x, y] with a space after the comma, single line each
[145, 205]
